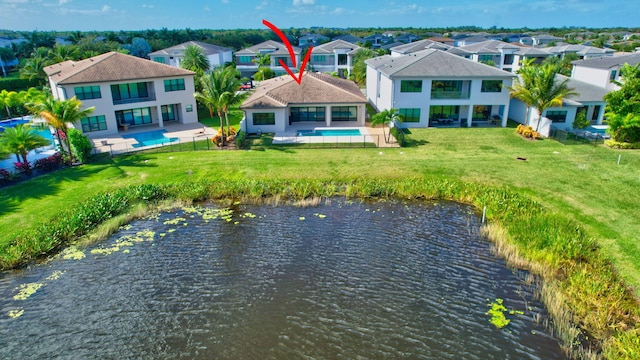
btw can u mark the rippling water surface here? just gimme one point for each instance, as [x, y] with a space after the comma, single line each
[342, 280]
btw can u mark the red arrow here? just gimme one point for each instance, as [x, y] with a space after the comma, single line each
[292, 54]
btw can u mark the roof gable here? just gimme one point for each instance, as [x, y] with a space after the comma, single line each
[274, 47]
[109, 67]
[178, 50]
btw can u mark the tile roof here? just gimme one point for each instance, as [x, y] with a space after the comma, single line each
[315, 88]
[208, 49]
[276, 47]
[111, 66]
[607, 62]
[329, 47]
[434, 63]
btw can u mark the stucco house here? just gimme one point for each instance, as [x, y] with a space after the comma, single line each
[545, 39]
[335, 56]
[602, 71]
[276, 51]
[582, 51]
[589, 98]
[126, 91]
[436, 88]
[217, 55]
[281, 104]
[496, 52]
[312, 40]
[419, 45]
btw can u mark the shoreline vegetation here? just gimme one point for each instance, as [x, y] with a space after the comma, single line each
[566, 213]
[592, 311]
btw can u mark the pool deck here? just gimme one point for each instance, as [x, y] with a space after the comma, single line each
[369, 134]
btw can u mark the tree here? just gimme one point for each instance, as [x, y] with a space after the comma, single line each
[385, 117]
[60, 113]
[359, 70]
[6, 56]
[33, 68]
[139, 47]
[8, 100]
[623, 106]
[195, 60]
[264, 71]
[61, 53]
[20, 140]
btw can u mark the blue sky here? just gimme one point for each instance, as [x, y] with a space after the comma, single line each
[88, 15]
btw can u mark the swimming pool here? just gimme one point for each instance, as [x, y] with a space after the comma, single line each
[329, 132]
[12, 123]
[150, 138]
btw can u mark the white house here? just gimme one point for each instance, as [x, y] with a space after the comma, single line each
[582, 51]
[320, 100]
[589, 99]
[545, 39]
[335, 56]
[276, 51]
[602, 71]
[173, 56]
[126, 91]
[436, 88]
[499, 53]
[419, 45]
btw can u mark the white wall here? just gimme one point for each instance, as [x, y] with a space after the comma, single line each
[281, 118]
[597, 77]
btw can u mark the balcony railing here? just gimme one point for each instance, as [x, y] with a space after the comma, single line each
[449, 94]
[134, 100]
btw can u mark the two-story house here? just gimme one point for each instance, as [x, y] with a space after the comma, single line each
[335, 56]
[493, 52]
[217, 55]
[436, 88]
[582, 51]
[246, 58]
[126, 91]
[418, 46]
[602, 71]
[312, 40]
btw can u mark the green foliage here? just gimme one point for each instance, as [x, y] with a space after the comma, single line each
[81, 146]
[624, 128]
[16, 84]
[359, 70]
[240, 138]
[264, 73]
[195, 59]
[20, 140]
[581, 122]
[496, 311]
[621, 145]
[623, 106]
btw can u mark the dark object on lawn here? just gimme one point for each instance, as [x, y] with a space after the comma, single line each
[521, 158]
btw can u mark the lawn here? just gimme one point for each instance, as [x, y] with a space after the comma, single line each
[582, 181]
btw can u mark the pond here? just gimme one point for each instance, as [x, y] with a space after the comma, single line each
[340, 280]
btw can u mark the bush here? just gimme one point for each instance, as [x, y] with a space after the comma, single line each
[17, 84]
[81, 146]
[240, 138]
[622, 145]
[22, 167]
[6, 177]
[50, 163]
[527, 132]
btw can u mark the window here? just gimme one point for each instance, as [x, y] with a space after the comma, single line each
[93, 123]
[481, 112]
[264, 119]
[244, 59]
[613, 74]
[508, 59]
[491, 86]
[174, 85]
[410, 85]
[557, 116]
[189, 108]
[319, 58]
[596, 113]
[159, 59]
[344, 113]
[449, 89]
[168, 113]
[410, 115]
[129, 91]
[87, 92]
[483, 58]
[444, 112]
[310, 113]
[134, 116]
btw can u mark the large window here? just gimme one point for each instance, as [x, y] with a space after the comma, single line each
[557, 116]
[439, 112]
[134, 117]
[410, 115]
[485, 58]
[596, 113]
[344, 113]
[264, 119]
[491, 86]
[93, 123]
[174, 85]
[310, 113]
[87, 92]
[410, 85]
[319, 58]
[131, 91]
[159, 59]
[612, 75]
[449, 89]
[169, 113]
[481, 112]
[244, 59]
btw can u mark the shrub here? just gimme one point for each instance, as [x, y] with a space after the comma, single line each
[22, 167]
[527, 131]
[6, 177]
[240, 138]
[81, 146]
[50, 163]
[622, 145]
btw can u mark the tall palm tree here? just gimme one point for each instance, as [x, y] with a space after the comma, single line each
[20, 140]
[6, 55]
[523, 88]
[33, 68]
[61, 53]
[385, 117]
[195, 60]
[60, 113]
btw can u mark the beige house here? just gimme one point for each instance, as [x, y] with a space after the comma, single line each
[281, 104]
[126, 91]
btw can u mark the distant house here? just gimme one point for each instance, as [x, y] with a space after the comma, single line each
[590, 99]
[276, 51]
[470, 40]
[126, 91]
[173, 56]
[443, 40]
[582, 51]
[538, 55]
[602, 71]
[312, 40]
[495, 52]
[350, 39]
[406, 38]
[419, 45]
[435, 88]
[335, 56]
[320, 100]
[526, 40]
[545, 39]
[377, 40]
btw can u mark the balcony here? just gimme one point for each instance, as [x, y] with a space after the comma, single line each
[134, 100]
[449, 95]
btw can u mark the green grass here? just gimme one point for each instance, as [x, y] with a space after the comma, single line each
[235, 116]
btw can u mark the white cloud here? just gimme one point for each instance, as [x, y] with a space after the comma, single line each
[106, 8]
[148, 6]
[206, 8]
[224, 1]
[303, 2]
[262, 5]
[62, 2]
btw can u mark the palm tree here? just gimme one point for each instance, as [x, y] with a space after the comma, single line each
[9, 99]
[385, 117]
[231, 97]
[6, 55]
[522, 89]
[195, 60]
[359, 72]
[264, 71]
[33, 68]
[20, 140]
[60, 113]
[61, 53]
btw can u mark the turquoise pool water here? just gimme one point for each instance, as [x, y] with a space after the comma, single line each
[150, 138]
[330, 132]
[12, 123]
